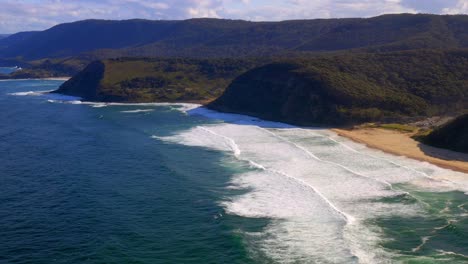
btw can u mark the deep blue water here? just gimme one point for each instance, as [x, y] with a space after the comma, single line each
[90, 185]
[87, 184]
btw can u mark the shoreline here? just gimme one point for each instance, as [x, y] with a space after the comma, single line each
[389, 141]
[47, 79]
[65, 78]
[401, 144]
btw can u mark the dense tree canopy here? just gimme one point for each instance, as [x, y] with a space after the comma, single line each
[353, 87]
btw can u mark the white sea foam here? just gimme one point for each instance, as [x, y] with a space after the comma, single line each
[293, 187]
[61, 98]
[30, 93]
[317, 187]
[424, 241]
[182, 107]
[443, 253]
[137, 111]
[51, 97]
[177, 106]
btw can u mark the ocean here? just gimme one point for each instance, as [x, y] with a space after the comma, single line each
[177, 183]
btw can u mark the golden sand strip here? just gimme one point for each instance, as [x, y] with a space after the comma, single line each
[402, 144]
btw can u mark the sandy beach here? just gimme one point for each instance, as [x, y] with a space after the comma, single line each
[402, 144]
[65, 78]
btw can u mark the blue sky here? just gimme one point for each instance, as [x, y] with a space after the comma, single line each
[22, 15]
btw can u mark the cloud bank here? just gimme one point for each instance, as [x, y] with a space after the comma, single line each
[22, 15]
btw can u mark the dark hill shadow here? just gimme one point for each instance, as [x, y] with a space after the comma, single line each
[444, 154]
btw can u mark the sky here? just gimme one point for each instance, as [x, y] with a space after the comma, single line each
[25, 15]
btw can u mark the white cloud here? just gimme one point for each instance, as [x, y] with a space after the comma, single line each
[21, 15]
[303, 9]
[460, 8]
[429, 6]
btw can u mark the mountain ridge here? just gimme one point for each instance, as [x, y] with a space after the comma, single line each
[202, 38]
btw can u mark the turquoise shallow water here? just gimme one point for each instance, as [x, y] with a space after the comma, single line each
[124, 184]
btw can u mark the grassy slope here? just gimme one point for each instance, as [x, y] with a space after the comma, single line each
[153, 80]
[46, 68]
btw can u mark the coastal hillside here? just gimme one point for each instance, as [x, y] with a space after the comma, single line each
[155, 80]
[46, 68]
[202, 38]
[453, 135]
[352, 88]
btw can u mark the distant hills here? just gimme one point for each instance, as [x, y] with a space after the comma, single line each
[203, 38]
[322, 71]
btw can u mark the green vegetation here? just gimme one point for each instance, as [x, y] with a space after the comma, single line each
[155, 80]
[339, 89]
[389, 69]
[453, 135]
[46, 68]
[353, 88]
[398, 127]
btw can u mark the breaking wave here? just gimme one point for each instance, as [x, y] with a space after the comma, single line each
[318, 189]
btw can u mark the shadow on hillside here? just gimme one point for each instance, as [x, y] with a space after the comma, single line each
[444, 154]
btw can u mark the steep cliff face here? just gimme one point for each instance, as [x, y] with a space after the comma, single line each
[278, 92]
[86, 84]
[453, 135]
